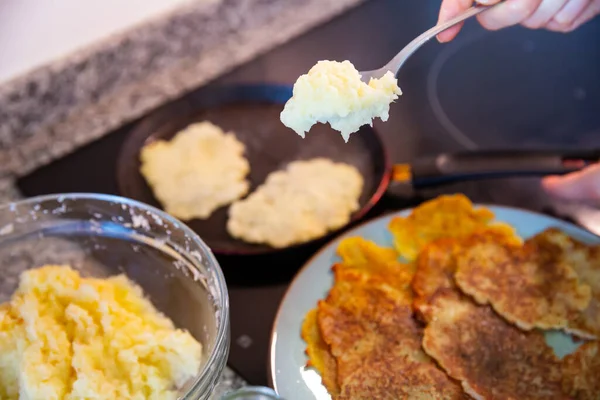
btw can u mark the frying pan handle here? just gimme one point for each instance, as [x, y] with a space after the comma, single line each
[449, 168]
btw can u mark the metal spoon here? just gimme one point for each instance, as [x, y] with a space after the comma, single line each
[396, 63]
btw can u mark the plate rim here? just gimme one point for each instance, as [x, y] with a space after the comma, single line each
[271, 371]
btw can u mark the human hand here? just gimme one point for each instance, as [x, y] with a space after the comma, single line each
[554, 15]
[581, 186]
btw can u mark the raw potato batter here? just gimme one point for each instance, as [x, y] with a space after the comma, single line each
[67, 337]
[333, 93]
[298, 204]
[201, 169]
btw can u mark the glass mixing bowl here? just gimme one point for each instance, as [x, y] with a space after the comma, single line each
[103, 235]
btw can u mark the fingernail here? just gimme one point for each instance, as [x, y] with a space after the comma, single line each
[562, 18]
[569, 12]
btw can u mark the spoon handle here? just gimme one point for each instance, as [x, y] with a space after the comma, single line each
[396, 63]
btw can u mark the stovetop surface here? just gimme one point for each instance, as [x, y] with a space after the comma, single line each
[510, 89]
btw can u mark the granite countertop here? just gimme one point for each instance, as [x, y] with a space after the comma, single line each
[55, 109]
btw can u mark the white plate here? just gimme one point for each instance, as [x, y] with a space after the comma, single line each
[289, 376]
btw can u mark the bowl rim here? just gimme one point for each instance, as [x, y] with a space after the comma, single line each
[221, 340]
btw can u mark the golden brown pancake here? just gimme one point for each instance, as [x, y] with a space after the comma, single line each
[380, 264]
[471, 342]
[359, 316]
[492, 358]
[435, 265]
[581, 372]
[366, 254]
[411, 380]
[451, 216]
[367, 322]
[531, 286]
[434, 270]
[319, 356]
[372, 332]
[363, 264]
[585, 260]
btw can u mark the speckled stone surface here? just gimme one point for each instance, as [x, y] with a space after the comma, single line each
[55, 109]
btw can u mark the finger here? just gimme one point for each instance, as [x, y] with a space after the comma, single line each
[580, 186]
[590, 12]
[544, 13]
[452, 8]
[450, 33]
[448, 10]
[573, 9]
[510, 13]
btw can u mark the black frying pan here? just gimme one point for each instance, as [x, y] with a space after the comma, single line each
[252, 112]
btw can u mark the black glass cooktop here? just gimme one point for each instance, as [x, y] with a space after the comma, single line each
[507, 89]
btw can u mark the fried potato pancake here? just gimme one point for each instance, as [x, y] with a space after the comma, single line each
[360, 314]
[472, 343]
[435, 265]
[585, 260]
[362, 253]
[354, 339]
[411, 380]
[373, 332]
[363, 264]
[531, 286]
[435, 269]
[581, 372]
[380, 263]
[319, 356]
[492, 358]
[450, 216]
[367, 322]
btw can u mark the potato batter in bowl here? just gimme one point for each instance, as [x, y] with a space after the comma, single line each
[107, 298]
[67, 337]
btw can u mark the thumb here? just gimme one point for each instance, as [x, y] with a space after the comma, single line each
[583, 185]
